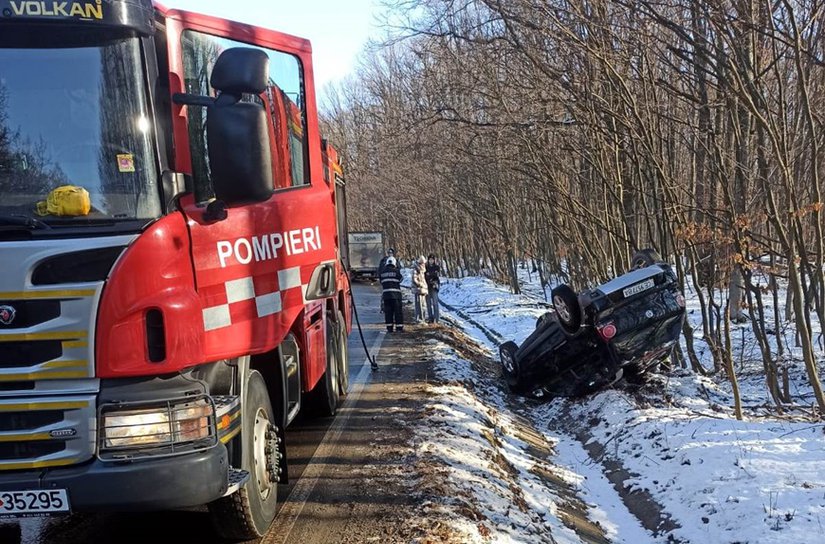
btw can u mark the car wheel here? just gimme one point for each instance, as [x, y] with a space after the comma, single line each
[643, 258]
[568, 310]
[510, 366]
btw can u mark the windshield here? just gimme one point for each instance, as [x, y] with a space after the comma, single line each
[78, 117]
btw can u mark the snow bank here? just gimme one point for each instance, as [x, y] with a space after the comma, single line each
[719, 479]
[479, 469]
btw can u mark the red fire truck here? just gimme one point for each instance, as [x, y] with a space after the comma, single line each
[172, 291]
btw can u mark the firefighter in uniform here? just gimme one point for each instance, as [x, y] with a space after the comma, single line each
[383, 263]
[391, 296]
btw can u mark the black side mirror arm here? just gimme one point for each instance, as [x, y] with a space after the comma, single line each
[185, 99]
[215, 211]
[223, 99]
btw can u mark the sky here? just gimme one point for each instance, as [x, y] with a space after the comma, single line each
[338, 29]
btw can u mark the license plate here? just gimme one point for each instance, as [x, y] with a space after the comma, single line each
[638, 288]
[35, 503]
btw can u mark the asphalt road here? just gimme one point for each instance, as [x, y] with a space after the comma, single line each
[308, 465]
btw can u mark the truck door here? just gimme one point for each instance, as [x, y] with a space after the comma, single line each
[252, 267]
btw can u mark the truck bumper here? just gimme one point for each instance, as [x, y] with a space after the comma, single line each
[151, 484]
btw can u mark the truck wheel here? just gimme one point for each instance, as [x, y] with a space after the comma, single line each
[248, 513]
[566, 303]
[643, 258]
[342, 356]
[326, 395]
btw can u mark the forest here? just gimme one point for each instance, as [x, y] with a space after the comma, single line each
[568, 134]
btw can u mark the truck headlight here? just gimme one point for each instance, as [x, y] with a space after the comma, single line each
[164, 425]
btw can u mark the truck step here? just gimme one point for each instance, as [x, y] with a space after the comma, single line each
[236, 478]
[225, 404]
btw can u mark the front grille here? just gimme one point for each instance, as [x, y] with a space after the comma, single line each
[46, 431]
[49, 296]
[19, 354]
[17, 386]
[21, 421]
[15, 451]
[31, 357]
[77, 267]
[28, 313]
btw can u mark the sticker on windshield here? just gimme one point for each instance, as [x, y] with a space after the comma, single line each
[126, 163]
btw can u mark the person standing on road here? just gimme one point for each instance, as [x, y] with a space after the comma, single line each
[433, 285]
[419, 288]
[391, 295]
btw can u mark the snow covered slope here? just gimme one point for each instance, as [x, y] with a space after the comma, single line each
[666, 462]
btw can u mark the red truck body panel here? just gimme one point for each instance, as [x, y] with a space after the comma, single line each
[154, 273]
[233, 287]
[167, 336]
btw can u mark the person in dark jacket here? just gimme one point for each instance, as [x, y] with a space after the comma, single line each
[433, 285]
[383, 263]
[391, 295]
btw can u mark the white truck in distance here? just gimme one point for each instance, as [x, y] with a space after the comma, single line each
[366, 249]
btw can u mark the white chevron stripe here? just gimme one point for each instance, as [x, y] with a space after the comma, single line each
[289, 278]
[268, 304]
[216, 317]
[238, 290]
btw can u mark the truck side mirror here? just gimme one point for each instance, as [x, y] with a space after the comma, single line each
[237, 134]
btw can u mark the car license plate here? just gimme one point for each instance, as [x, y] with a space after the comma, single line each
[33, 503]
[638, 288]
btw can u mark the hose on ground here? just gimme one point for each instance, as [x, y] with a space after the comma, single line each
[370, 358]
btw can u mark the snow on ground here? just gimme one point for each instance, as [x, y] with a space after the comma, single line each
[464, 435]
[720, 479]
[491, 487]
[674, 441]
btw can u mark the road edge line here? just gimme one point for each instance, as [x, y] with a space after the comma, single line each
[295, 501]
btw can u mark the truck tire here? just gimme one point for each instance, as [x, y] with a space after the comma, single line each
[326, 396]
[342, 356]
[248, 513]
[643, 258]
[567, 306]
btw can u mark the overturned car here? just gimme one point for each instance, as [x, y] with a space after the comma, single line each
[594, 338]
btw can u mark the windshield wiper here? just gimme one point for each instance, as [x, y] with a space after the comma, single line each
[84, 222]
[17, 221]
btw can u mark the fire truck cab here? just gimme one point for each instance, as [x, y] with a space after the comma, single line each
[173, 292]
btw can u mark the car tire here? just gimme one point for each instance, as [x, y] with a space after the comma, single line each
[568, 309]
[510, 367]
[248, 513]
[644, 258]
